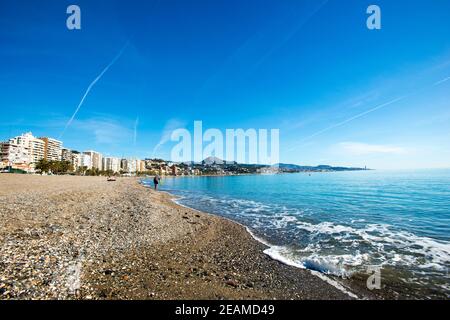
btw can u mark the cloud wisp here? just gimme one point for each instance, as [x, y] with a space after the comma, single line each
[105, 131]
[91, 85]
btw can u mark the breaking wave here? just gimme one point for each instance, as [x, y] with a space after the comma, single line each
[328, 247]
[338, 225]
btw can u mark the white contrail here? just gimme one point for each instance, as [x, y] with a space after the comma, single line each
[350, 119]
[362, 114]
[91, 86]
[367, 112]
[441, 81]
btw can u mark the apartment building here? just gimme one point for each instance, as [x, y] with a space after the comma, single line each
[123, 164]
[34, 146]
[130, 165]
[86, 161]
[74, 157]
[66, 154]
[96, 159]
[52, 149]
[76, 160]
[37, 148]
[142, 166]
[111, 163]
[14, 155]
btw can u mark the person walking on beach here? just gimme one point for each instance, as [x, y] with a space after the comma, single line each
[156, 181]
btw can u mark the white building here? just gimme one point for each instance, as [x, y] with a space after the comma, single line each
[34, 146]
[66, 155]
[76, 159]
[96, 159]
[12, 154]
[111, 163]
[130, 165]
[72, 156]
[86, 161]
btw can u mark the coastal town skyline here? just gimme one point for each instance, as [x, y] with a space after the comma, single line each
[27, 153]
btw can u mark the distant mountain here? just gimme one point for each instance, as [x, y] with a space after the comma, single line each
[216, 160]
[287, 166]
[213, 160]
[281, 167]
[294, 167]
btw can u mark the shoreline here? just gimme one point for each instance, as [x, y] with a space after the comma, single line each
[354, 285]
[269, 246]
[86, 238]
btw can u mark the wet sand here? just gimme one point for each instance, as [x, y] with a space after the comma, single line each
[67, 237]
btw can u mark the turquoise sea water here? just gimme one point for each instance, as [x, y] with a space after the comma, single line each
[340, 223]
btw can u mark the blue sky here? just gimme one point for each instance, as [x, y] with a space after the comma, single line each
[339, 93]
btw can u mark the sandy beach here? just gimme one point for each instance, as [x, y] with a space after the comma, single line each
[68, 237]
